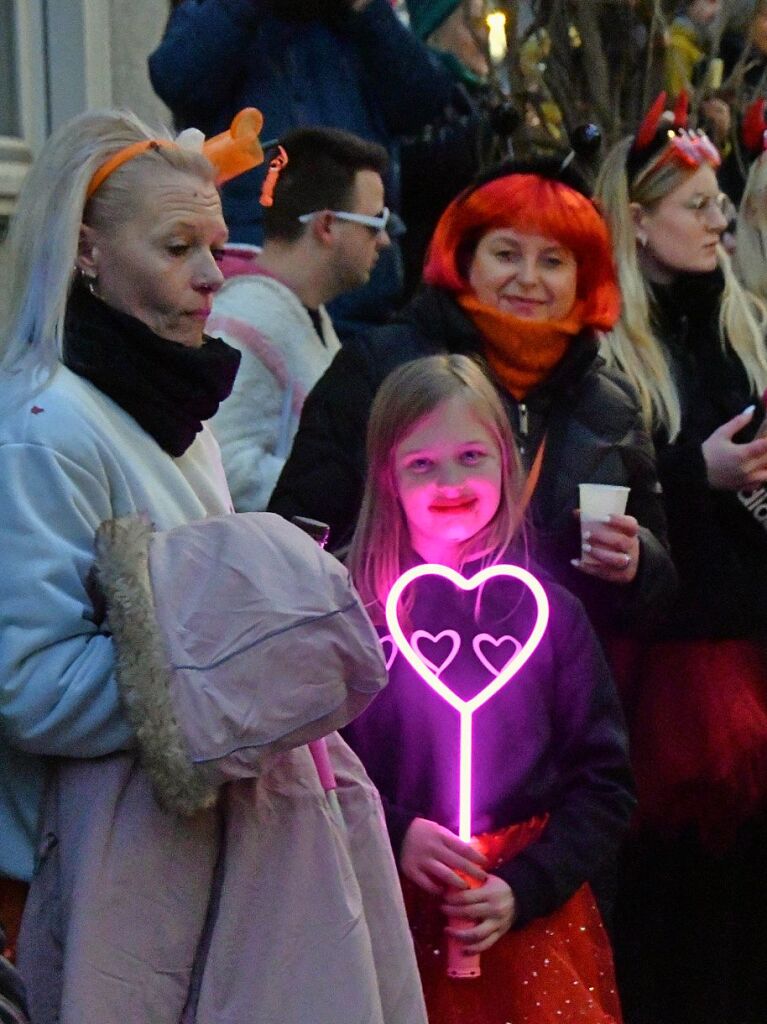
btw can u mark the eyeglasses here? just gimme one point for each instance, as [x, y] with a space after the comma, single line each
[377, 223]
[705, 205]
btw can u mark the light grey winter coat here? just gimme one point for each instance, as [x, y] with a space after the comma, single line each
[210, 881]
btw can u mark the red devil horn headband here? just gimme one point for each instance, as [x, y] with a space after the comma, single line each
[648, 129]
[654, 146]
[752, 130]
[681, 107]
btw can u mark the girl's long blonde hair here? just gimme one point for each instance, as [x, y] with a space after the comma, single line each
[380, 548]
[632, 345]
[44, 237]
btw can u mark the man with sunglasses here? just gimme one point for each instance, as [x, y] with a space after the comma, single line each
[348, 64]
[325, 226]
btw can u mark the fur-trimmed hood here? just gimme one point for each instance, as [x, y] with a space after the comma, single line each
[237, 638]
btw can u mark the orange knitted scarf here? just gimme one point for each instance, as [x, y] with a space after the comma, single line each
[521, 352]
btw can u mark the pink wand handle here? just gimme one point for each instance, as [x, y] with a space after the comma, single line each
[459, 965]
[319, 752]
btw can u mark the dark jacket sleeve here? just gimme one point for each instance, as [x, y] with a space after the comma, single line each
[408, 84]
[398, 821]
[642, 604]
[201, 55]
[655, 583]
[720, 549]
[594, 799]
[324, 475]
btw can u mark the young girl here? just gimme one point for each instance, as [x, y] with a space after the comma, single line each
[551, 787]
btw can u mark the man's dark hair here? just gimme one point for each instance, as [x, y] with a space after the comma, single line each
[319, 175]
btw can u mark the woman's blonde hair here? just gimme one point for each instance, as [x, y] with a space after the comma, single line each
[632, 344]
[751, 231]
[44, 237]
[380, 548]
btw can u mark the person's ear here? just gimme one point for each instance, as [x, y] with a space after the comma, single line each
[322, 228]
[87, 252]
[639, 220]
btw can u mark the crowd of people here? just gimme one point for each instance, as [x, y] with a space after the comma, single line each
[484, 759]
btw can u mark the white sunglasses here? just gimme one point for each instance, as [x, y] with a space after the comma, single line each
[378, 223]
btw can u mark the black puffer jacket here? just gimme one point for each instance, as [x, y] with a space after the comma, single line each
[593, 430]
[718, 538]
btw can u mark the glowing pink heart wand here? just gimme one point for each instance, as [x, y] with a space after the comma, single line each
[460, 966]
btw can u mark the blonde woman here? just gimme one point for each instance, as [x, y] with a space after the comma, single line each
[691, 341]
[108, 380]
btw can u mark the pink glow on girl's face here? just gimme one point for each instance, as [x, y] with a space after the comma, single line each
[448, 474]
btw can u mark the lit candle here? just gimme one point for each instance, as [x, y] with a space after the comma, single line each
[496, 25]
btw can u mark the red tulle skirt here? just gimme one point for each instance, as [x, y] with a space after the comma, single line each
[698, 721]
[554, 970]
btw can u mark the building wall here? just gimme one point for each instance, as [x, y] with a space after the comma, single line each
[134, 29]
[4, 271]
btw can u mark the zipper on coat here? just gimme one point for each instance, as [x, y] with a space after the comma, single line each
[524, 426]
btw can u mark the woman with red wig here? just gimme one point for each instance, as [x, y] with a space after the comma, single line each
[519, 274]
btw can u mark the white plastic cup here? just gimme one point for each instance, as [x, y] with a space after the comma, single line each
[599, 501]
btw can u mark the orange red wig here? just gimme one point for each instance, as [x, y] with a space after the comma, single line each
[537, 205]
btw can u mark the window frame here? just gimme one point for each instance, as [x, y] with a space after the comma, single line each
[17, 152]
[63, 67]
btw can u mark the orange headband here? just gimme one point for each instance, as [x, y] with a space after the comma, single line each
[232, 152]
[121, 157]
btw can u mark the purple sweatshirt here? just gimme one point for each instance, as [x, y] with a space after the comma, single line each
[551, 741]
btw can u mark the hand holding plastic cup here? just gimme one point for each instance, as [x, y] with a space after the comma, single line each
[598, 501]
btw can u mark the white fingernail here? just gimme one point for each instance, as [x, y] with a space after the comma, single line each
[749, 411]
[586, 534]
[585, 547]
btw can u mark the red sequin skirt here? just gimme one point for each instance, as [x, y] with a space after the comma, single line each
[698, 722]
[554, 970]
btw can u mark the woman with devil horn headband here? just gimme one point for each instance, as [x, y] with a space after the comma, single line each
[691, 936]
[132, 849]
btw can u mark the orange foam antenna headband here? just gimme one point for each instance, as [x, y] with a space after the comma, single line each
[232, 152]
[121, 157]
[275, 169]
[238, 149]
